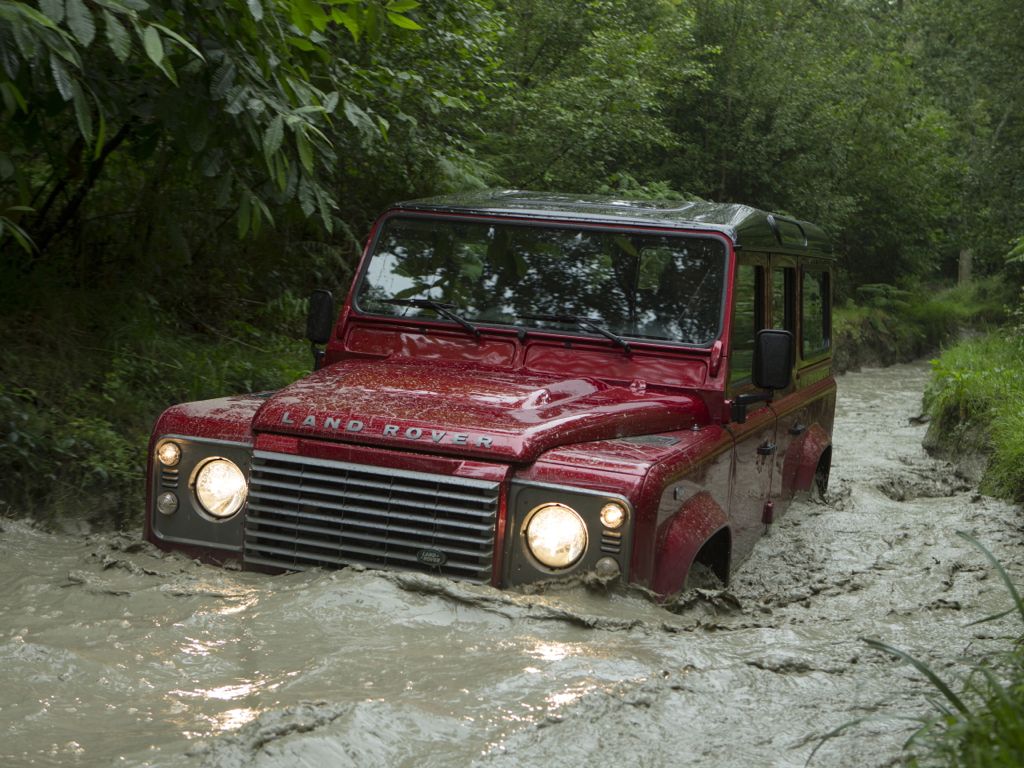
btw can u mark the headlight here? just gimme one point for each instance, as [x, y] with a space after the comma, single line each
[220, 488]
[556, 535]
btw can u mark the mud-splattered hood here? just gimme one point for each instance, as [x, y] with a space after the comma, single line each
[468, 410]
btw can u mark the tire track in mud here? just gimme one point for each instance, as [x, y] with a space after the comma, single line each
[112, 651]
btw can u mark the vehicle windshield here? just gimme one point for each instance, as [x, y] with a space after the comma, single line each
[638, 285]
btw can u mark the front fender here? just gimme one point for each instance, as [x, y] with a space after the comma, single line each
[681, 537]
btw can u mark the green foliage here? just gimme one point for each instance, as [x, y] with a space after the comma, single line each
[76, 444]
[884, 324]
[588, 86]
[261, 105]
[978, 387]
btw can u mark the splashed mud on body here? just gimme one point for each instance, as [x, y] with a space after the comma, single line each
[115, 652]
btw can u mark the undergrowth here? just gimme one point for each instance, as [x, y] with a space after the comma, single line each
[977, 394]
[81, 384]
[883, 324]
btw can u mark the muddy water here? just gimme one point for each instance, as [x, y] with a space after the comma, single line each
[111, 653]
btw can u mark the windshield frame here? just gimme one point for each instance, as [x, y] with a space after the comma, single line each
[544, 223]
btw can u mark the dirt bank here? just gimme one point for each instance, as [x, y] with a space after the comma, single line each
[112, 652]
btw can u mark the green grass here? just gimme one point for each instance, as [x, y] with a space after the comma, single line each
[976, 400]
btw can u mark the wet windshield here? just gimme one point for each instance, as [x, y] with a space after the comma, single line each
[644, 286]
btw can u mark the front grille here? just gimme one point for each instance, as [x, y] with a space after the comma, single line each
[307, 513]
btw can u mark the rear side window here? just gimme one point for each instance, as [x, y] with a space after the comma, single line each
[747, 320]
[814, 314]
[784, 298]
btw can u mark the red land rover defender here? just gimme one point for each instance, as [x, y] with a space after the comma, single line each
[523, 387]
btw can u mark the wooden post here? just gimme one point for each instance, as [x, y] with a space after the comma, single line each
[966, 262]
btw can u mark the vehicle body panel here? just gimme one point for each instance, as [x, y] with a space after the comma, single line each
[511, 418]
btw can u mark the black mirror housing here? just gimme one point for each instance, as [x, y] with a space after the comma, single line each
[773, 359]
[320, 319]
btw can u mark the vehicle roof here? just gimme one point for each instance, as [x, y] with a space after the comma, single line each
[744, 225]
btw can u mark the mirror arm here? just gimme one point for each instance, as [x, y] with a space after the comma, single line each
[740, 403]
[318, 356]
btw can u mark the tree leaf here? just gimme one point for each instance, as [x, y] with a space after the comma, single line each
[331, 102]
[154, 46]
[83, 115]
[223, 79]
[11, 92]
[101, 137]
[402, 21]
[401, 6]
[118, 39]
[324, 203]
[257, 215]
[349, 21]
[54, 9]
[305, 149]
[300, 42]
[80, 22]
[359, 118]
[175, 36]
[273, 136]
[61, 78]
[244, 215]
[307, 201]
[256, 9]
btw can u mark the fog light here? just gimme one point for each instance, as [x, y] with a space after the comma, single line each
[167, 503]
[607, 568]
[613, 515]
[556, 535]
[220, 488]
[168, 453]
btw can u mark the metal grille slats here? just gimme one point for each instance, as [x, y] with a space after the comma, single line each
[305, 512]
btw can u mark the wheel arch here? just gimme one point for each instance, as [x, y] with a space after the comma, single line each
[699, 531]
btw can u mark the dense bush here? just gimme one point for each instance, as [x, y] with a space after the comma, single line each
[976, 401]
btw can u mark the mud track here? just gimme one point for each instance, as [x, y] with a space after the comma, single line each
[115, 654]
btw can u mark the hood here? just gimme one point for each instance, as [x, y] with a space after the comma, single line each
[466, 410]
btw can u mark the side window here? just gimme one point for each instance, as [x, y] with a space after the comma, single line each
[747, 320]
[784, 298]
[814, 314]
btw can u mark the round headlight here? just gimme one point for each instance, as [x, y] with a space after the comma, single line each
[556, 535]
[168, 453]
[220, 488]
[613, 515]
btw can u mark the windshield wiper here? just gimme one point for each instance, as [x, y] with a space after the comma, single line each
[582, 321]
[442, 308]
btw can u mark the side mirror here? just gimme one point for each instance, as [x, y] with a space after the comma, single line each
[773, 359]
[773, 369]
[319, 323]
[320, 319]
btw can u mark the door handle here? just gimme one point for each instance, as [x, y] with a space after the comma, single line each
[766, 449]
[798, 429]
